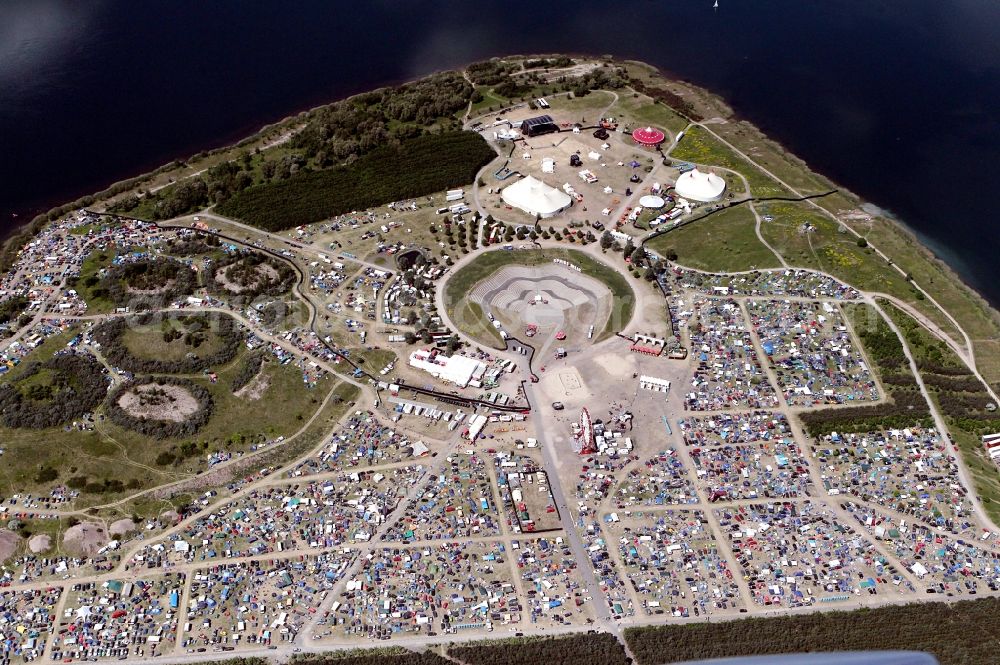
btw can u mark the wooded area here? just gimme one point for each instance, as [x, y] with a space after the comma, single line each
[51, 393]
[591, 648]
[958, 634]
[419, 166]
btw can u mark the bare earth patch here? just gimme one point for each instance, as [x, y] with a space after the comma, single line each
[255, 389]
[84, 539]
[264, 273]
[9, 542]
[121, 527]
[40, 543]
[166, 402]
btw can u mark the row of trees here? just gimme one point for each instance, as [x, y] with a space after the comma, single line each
[161, 429]
[109, 335]
[75, 385]
[418, 167]
[592, 648]
[953, 633]
[668, 98]
[248, 369]
[373, 657]
[353, 127]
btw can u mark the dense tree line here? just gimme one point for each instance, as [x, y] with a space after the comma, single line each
[559, 61]
[956, 634]
[944, 370]
[592, 648]
[418, 167]
[668, 98]
[491, 72]
[193, 246]
[160, 429]
[248, 369]
[967, 383]
[245, 269]
[76, 385]
[374, 657]
[346, 130]
[109, 336]
[12, 307]
[906, 409]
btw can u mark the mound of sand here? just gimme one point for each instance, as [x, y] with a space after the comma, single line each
[254, 390]
[169, 517]
[9, 542]
[40, 543]
[121, 527]
[84, 539]
[166, 402]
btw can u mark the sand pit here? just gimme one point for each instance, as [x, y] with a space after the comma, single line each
[84, 539]
[551, 296]
[40, 543]
[255, 389]
[166, 402]
[121, 527]
[9, 542]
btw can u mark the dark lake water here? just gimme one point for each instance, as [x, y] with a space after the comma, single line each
[897, 101]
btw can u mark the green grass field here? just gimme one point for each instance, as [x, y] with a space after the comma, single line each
[108, 452]
[724, 241]
[148, 342]
[700, 147]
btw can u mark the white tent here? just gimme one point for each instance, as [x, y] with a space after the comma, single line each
[535, 197]
[698, 186]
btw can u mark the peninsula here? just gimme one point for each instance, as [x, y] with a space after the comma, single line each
[549, 358]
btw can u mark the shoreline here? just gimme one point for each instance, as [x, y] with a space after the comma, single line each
[21, 232]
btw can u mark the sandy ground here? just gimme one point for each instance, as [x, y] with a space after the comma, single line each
[264, 273]
[255, 389]
[40, 543]
[176, 406]
[9, 542]
[121, 527]
[84, 539]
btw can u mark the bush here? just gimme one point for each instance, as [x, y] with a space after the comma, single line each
[77, 386]
[249, 368]
[595, 649]
[244, 270]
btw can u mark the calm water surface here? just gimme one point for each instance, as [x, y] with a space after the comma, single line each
[897, 101]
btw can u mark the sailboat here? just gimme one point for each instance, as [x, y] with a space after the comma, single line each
[716, 5]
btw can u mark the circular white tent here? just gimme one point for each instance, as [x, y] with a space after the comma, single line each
[701, 187]
[535, 197]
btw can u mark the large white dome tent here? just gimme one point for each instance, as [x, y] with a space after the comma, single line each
[535, 197]
[701, 187]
